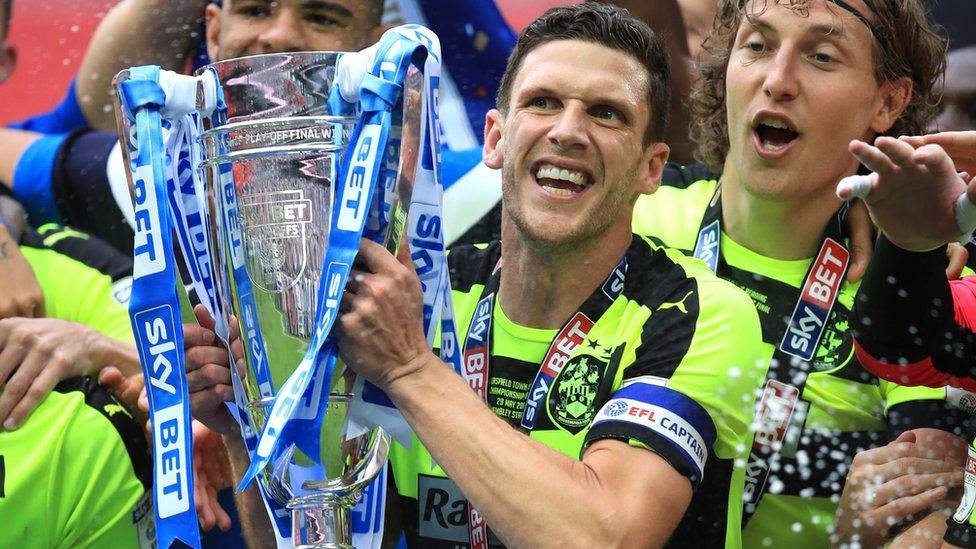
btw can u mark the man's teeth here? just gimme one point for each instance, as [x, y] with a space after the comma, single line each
[769, 146]
[774, 123]
[557, 191]
[562, 174]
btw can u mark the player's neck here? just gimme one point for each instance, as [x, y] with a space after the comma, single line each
[777, 229]
[542, 287]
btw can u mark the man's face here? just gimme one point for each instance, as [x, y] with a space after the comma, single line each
[959, 93]
[570, 148]
[798, 90]
[250, 27]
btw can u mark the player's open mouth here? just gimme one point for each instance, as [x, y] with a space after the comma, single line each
[561, 181]
[773, 133]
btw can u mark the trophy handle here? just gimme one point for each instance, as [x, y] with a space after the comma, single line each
[123, 126]
[412, 128]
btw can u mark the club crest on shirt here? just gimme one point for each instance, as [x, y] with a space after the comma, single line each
[836, 346]
[572, 399]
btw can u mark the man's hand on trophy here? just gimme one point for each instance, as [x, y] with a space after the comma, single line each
[208, 371]
[380, 328]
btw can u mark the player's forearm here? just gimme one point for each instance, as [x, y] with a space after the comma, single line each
[904, 312]
[136, 32]
[528, 493]
[255, 524]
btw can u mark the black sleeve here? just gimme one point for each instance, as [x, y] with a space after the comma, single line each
[931, 414]
[85, 249]
[82, 192]
[904, 312]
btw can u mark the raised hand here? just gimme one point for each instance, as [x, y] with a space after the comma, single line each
[912, 193]
[960, 146]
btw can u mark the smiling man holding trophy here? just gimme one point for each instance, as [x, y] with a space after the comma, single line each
[607, 383]
[242, 164]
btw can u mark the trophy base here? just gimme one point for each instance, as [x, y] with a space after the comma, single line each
[322, 521]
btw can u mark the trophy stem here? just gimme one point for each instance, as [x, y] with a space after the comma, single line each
[322, 522]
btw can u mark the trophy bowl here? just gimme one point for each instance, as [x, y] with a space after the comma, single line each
[272, 157]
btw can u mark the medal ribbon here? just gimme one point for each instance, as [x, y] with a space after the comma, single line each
[780, 401]
[476, 362]
[188, 218]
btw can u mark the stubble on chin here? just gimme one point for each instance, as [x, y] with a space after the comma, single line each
[557, 239]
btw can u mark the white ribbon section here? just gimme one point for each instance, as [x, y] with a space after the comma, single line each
[858, 185]
[965, 217]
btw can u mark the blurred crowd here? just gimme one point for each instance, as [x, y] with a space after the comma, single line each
[796, 174]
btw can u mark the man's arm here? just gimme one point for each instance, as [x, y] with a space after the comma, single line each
[616, 495]
[602, 500]
[13, 143]
[135, 32]
[910, 324]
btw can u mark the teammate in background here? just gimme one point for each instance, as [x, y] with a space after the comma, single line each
[581, 111]
[75, 472]
[786, 87]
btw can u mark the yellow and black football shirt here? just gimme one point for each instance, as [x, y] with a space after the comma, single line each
[671, 364]
[840, 408]
[77, 472]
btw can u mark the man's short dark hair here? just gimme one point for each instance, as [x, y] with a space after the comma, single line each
[608, 26]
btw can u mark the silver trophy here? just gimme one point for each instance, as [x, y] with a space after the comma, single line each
[280, 144]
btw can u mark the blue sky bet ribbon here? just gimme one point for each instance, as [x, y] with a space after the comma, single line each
[155, 313]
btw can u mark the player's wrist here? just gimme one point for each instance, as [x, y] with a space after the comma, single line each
[411, 376]
[104, 351]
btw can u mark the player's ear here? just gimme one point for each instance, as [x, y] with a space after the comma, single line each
[494, 126]
[895, 96]
[211, 17]
[653, 159]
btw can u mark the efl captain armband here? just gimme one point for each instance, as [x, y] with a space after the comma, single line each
[668, 422]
